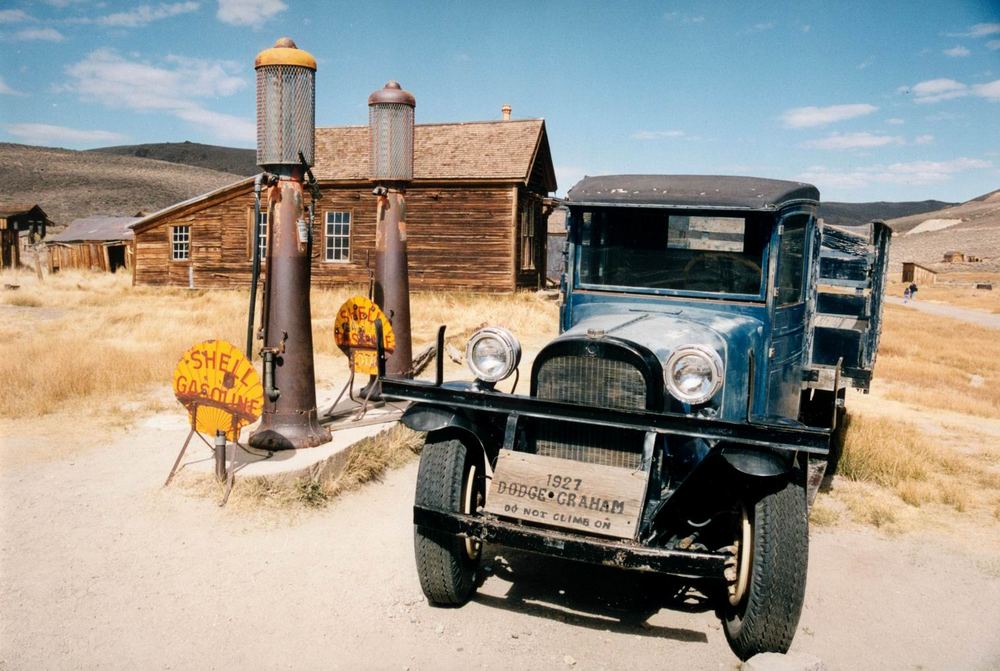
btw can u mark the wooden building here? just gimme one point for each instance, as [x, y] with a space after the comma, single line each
[93, 243]
[475, 214]
[15, 219]
[918, 274]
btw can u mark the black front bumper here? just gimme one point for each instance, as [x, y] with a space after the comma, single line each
[774, 436]
[623, 554]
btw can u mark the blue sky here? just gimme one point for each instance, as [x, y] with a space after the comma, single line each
[867, 100]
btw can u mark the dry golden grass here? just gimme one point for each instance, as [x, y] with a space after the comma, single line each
[95, 337]
[940, 363]
[900, 465]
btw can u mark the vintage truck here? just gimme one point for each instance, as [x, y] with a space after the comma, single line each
[682, 420]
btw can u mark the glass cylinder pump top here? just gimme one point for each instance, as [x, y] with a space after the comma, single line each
[286, 105]
[390, 119]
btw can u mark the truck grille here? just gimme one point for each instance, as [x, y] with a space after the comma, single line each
[592, 381]
[597, 381]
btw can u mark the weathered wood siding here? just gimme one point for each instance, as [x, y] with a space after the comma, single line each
[86, 255]
[459, 237]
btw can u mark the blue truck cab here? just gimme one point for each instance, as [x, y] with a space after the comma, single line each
[682, 421]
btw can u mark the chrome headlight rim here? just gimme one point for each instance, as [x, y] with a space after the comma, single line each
[707, 354]
[507, 340]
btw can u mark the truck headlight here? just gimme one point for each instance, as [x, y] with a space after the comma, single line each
[492, 354]
[693, 373]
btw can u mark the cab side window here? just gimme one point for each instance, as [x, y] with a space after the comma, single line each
[791, 257]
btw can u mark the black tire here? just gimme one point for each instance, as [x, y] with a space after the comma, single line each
[766, 618]
[446, 570]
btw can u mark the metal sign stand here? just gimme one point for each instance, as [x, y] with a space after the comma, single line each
[220, 450]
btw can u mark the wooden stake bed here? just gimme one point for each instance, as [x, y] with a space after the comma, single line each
[596, 499]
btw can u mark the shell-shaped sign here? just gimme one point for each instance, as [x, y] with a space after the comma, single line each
[354, 332]
[219, 387]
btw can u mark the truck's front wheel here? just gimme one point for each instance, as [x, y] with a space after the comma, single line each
[762, 610]
[447, 564]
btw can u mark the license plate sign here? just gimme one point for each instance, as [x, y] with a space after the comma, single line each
[597, 499]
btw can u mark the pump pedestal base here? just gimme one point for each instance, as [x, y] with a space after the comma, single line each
[292, 434]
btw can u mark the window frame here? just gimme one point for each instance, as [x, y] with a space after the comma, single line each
[180, 244]
[262, 242]
[328, 235]
[527, 223]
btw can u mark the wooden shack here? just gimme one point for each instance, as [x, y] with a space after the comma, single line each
[475, 214]
[918, 274]
[93, 243]
[17, 218]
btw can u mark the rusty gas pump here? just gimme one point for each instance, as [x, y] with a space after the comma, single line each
[286, 130]
[390, 121]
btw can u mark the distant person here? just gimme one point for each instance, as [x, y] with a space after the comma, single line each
[913, 290]
[906, 295]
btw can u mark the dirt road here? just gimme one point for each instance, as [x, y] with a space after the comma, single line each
[978, 317]
[101, 568]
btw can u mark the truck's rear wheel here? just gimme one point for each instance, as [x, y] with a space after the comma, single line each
[446, 563]
[766, 613]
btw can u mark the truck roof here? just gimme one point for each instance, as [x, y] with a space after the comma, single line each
[701, 191]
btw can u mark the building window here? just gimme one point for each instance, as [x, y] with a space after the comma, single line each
[262, 240]
[528, 237]
[338, 236]
[180, 243]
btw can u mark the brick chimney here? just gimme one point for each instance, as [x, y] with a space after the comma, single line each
[506, 112]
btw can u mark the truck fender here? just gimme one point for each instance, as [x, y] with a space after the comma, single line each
[421, 417]
[757, 462]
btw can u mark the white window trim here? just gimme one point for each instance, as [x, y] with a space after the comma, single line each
[327, 235]
[174, 242]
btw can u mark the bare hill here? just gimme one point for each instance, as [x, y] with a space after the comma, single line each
[972, 228]
[855, 214]
[213, 157]
[70, 184]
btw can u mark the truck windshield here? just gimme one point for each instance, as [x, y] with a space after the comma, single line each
[643, 249]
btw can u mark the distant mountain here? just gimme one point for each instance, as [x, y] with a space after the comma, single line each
[71, 184]
[223, 159]
[855, 214]
[972, 228]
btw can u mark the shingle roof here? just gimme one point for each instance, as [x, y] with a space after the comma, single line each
[96, 229]
[750, 193]
[476, 150]
[14, 209]
[503, 150]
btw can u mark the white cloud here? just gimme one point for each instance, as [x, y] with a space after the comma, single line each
[912, 173]
[569, 175]
[806, 28]
[43, 34]
[249, 12]
[14, 16]
[808, 117]
[957, 52]
[895, 121]
[761, 27]
[6, 90]
[105, 76]
[865, 64]
[990, 90]
[923, 139]
[980, 30]
[45, 134]
[140, 16]
[993, 44]
[837, 141]
[936, 90]
[656, 134]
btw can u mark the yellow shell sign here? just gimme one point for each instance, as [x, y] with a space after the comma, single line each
[219, 387]
[354, 332]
